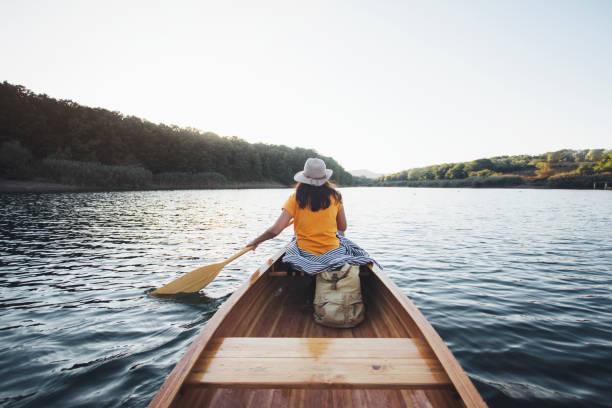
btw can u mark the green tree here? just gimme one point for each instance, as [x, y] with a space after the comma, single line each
[479, 164]
[14, 159]
[456, 172]
[585, 169]
[544, 170]
[482, 173]
[595, 155]
[605, 164]
[440, 171]
[564, 155]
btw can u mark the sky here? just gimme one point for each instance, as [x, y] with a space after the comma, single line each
[378, 85]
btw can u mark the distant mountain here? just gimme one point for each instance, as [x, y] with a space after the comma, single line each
[365, 173]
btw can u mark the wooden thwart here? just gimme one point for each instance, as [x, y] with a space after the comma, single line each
[318, 363]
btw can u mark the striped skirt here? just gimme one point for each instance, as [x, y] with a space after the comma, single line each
[347, 252]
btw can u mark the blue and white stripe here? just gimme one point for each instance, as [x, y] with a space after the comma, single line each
[347, 252]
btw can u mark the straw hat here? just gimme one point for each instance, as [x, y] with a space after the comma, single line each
[314, 173]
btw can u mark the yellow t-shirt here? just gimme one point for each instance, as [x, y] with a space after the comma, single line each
[315, 231]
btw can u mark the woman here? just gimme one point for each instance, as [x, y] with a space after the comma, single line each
[319, 224]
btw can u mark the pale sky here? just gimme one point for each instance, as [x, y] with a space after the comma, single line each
[381, 85]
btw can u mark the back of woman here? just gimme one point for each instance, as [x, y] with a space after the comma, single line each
[315, 212]
[318, 215]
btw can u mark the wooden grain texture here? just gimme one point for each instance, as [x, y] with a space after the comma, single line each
[463, 385]
[303, 398]
[277, 372]
[318, 363]
[281, 307]
[173, 383]
[317, 348]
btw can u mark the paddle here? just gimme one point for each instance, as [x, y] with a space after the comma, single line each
[197, 279]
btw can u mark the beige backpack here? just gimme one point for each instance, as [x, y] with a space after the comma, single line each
[338, 301]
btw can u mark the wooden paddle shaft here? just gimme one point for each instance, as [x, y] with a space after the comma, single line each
[239, 254]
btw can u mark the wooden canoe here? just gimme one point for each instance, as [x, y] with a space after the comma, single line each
[262, 348]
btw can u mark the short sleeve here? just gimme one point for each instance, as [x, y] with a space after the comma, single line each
[291, 205]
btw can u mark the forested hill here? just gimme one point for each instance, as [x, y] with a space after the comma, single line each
[559, 169]
[59, 139]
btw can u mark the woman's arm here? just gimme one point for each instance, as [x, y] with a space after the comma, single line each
[341, 220]
[279, 225]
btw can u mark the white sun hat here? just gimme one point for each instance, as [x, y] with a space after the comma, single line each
[314, 173]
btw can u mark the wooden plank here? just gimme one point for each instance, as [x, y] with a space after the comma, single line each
[317, 398]
[463, 385]
[317, 373]
[248, 310]
[174, 382]
[318, 363]
[321, 348]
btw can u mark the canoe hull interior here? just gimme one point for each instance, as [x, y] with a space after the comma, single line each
[266, 350]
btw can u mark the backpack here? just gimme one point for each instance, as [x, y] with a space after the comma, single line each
[338, 301]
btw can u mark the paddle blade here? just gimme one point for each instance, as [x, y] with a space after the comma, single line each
[193, 281]
[197, 279]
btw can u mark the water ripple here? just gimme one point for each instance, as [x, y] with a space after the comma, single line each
[517, 282]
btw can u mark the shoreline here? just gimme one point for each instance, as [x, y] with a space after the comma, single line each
[39, 187]
[29, 186]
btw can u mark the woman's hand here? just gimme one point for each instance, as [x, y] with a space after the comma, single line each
[263, 237]
[253, 243]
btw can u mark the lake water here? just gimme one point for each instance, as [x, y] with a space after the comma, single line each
[517, 282]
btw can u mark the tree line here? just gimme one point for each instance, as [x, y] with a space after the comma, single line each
[559, 169]
[42, 137]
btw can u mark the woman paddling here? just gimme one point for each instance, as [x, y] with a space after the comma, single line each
[319, 224]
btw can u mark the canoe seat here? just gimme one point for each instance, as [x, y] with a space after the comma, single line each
[280, 362]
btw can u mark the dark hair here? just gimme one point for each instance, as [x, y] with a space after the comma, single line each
[316, 197]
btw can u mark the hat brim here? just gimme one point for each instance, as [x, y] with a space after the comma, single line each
[301, 178]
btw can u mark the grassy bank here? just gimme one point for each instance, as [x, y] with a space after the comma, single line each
[58, 175]
[38, 186]
[565, 181]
